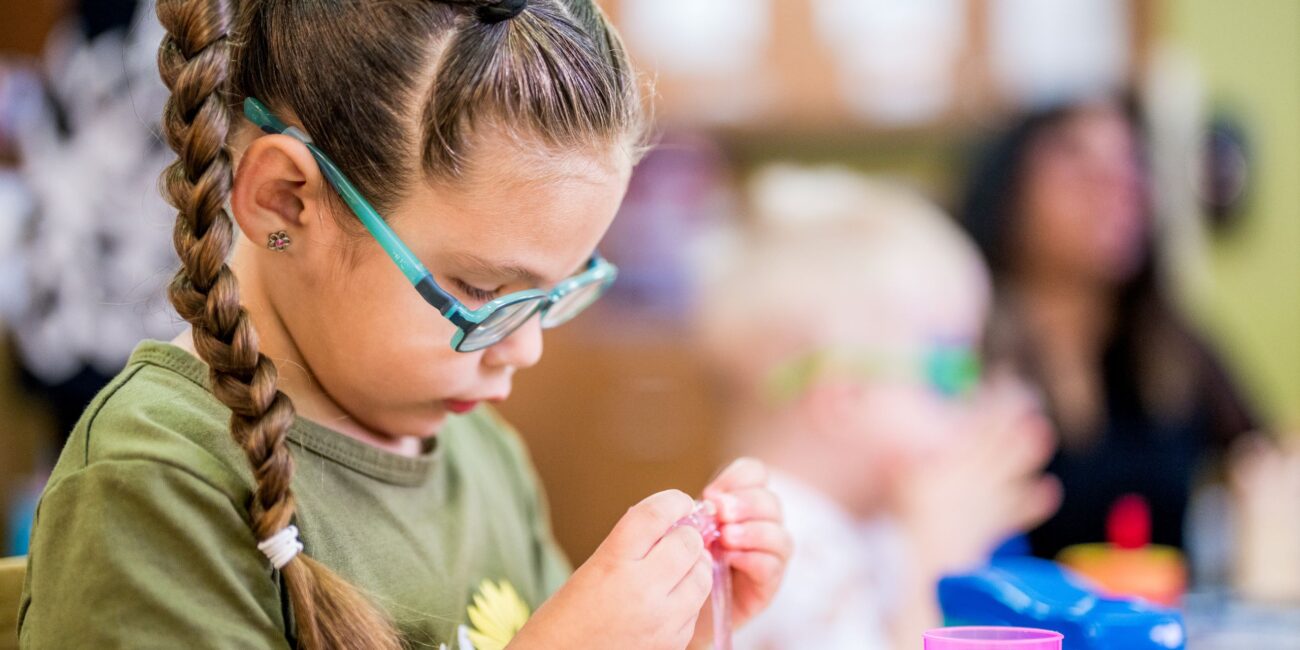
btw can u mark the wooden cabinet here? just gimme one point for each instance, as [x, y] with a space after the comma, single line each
[24, 24]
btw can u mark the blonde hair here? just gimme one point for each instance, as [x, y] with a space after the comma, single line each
[826, 247]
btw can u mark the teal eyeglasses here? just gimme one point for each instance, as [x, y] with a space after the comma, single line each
[951, 371]
[476, 329]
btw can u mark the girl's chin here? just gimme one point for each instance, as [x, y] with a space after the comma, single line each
[432, 427]
[416, 432]
[430, 422]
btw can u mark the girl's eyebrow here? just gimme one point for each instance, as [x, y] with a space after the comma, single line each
[505, 270]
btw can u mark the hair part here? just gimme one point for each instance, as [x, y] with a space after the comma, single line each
[418, 80]
[350, 72]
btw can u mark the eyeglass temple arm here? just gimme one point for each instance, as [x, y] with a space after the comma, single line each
[405, 259]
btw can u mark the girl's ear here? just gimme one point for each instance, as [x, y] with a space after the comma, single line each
[277, 186]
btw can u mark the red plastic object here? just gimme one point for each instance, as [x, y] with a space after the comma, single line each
[1130, 565]
[1129, 524]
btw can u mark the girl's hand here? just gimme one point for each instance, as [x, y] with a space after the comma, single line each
[956, 504]
[754, 538]
[642, 588]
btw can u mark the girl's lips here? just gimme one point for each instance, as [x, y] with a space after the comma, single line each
[460, 406]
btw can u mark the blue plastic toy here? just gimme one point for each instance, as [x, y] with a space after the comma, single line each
[1029, 592]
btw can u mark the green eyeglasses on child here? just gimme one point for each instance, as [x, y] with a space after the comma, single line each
[950, 370]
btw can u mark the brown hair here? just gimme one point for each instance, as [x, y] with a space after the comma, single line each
[377, 84]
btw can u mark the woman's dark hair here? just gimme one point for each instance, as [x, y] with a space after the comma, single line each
[395, 91]
[1152, 348]
[989, 205]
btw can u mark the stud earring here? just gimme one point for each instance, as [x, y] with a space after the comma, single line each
[278, 241]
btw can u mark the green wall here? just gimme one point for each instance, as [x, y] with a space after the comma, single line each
[1249, 54]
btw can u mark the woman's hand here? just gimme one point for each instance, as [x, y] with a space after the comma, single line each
[1265, 481]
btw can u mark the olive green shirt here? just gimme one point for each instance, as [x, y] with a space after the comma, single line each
[142, 536]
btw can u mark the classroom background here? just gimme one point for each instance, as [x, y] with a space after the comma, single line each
[623, 403]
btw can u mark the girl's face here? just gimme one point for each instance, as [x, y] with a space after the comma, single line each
[1082, 202]
[377, 350]
[899, 419]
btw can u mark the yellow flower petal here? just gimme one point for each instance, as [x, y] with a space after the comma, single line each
[519, 613]
[482, 642]
[480, 616]
[496, 604]
[496, 615]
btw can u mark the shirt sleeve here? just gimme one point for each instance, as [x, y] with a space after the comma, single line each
[143, 554]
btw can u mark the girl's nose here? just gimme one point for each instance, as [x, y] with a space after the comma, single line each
[522, 349]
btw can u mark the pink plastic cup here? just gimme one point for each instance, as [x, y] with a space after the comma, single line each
[992, 638]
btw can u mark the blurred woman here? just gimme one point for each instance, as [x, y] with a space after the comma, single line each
[1060, 208]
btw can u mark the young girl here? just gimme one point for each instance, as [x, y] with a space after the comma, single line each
[310, 464]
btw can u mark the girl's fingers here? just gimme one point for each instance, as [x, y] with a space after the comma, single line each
[747, 504]
[646, 523]
[1020, 450]
[759, 567]
[767, 536]
[687, 598]
[740, 474]
[1040, 500]
[696, 584]
[675, 553]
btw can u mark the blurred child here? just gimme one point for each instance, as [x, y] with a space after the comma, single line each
[847, 325]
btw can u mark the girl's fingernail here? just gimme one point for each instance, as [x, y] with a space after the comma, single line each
[733, 533]
[729, 507]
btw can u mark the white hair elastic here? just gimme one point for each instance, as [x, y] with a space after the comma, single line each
[281, 547]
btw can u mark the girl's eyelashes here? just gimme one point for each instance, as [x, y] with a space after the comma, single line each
[474, 293]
